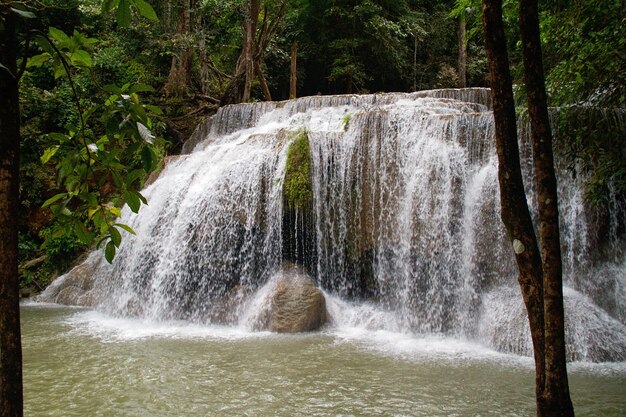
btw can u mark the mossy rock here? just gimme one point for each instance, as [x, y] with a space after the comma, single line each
[297, 188]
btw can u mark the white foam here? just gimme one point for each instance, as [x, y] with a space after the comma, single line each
[110, 329]
[404, 346]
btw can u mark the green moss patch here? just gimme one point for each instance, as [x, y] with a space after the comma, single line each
[297, 187]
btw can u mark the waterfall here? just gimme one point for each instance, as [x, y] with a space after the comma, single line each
[402, 232]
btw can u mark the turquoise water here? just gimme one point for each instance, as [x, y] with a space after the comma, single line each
[82, 363]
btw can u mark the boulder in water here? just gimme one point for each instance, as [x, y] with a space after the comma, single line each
[293, 304]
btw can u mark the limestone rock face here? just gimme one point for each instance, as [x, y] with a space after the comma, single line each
[294, 304]
[75, 287]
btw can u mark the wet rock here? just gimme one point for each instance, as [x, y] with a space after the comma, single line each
[74, 296]
[591, 334]
[294, 304]
[75, 287]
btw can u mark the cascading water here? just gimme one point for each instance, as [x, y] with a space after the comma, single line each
[402, 231]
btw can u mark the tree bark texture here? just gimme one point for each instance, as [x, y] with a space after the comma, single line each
[257, 37]
[264, 87]
[293, 79]
[179, 78]
[556, 398]
[251, 23]
[462, 52]
[514, 207]
[11, 399]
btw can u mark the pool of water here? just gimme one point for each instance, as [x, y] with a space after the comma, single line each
[79, 362]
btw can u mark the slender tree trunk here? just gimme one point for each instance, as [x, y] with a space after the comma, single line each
[256, 40]
[10, 339]
[514, 207]
[462, 53]
[264, 87]
[415, 62]
[293, 79]
[556, 398]
[254, 6]
[205, 72]
[179, 78]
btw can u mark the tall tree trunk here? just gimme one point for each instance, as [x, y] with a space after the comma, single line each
[556, 398]
[256, 40]
[179, 78]
[264, 87]
[514, 207]
[415, 62]
[10, 339]
[293, 79]
[203, 56]
[252, 19]
[462, 52]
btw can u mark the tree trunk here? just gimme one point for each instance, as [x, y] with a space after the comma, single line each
[256, 41]
[179, 78]
[462, 53]
[203, 57]
[556, 399]
[293, 78]
[248, 48]
[514, 207]
[264, 86]
[415, 62]
[11, 399]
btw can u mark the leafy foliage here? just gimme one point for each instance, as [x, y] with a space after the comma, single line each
[584, 54]
[105, 152]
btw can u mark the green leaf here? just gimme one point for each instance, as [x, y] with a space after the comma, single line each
[115, 211]
[134, 176]
[132, 200]
[116, 237]
[108, 5]
[153, 109]
[38, 60]
[126, 227]
[84, 236]
[59, 137]
[23, 13]
[87, 113]
[123, 13]
[82, 58]
[48, 153]
[113, 89]
[145, 9]
[141, 197]
[117, 179]
[59, 71]
[109, 252]
[137, 88]
[53, 199]
[146, 158]
[91, 199]
[59, 36]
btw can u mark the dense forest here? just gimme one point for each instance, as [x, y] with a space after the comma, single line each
[192, 56]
